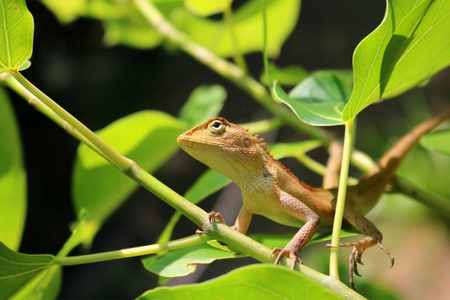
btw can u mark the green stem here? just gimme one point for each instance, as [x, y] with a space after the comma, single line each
[243, 244]
[45, 110]
[114, 157]
[226, 69]
[265, 54]
[311, 163]
[339, 214]
[133, 252]
[238, 57]
[263, 125]
[127, 166]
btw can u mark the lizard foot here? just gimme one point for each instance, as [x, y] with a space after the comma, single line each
[212, 217]
[356, 254]
[288, 253]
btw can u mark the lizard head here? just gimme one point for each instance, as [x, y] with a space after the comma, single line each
[223, 146]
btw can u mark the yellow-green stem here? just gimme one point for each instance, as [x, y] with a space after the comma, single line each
[238, 57]
[339, 214]
[118, 160]
[133, 252]
[265, 54]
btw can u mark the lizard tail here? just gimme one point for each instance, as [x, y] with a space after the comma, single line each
[373, 184]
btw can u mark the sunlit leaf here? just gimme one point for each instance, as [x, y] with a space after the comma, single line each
[131, 32]
[319, 99]
[290, 75]
[204, 103]
[16, 34]
[183, 261]
[66, 11]
[17, 270]
[253, 282]
[207, 184]
[272, 240]
[282, 17]
[282, 150]
[438, 141]
[13, 182]
[147, 137]
[206, 8]
[45, 285]
[410, 46]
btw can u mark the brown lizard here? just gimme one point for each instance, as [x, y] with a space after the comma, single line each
[271, 190]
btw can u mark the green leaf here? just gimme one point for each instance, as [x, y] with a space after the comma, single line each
[410, 46]
[437, 141]
[66, 11]
[204, 103]
[17, 270]
[207, 184]
[124, 24]
[282, 150]
[320, 99]
[147, 137]
[45, 285]
[206, 8]
[16, 34]
[272, 240]
[13, 181]
[282, 17]
[250, 282]
[182, 262]
[290, 75]
[134, 32]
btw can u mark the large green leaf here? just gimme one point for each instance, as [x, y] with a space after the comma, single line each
[124, 24]
[282, 150]
[207, 184]
[282, 17]
[147, 137]
[439, 141]
[411, 45]
[319, 99]
[207, 8]
[251, 282]
[205, 102]
[18, 270]
[184, 261]
[13, 189]
[289, 75]
[16, 34]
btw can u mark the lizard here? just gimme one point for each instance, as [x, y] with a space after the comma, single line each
[268, 188]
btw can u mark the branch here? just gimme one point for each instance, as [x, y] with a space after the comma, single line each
[256, 90]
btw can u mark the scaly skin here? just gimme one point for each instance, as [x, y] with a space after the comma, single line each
[271, 190]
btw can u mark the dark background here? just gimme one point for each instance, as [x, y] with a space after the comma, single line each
[99, 85]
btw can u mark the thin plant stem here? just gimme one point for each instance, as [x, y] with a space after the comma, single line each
[226, 69]
[265, 54]
[339, 213]
[127, 166]
[45, 110]
[113, 156]
[238, 57]
[133, 252]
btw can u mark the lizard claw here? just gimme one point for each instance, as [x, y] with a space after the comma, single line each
[212, 217]
[285, 252]
[391, 257]
[355, 259]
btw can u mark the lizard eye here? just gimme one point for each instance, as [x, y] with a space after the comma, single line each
[216, 127]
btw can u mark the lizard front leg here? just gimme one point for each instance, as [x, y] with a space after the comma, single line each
[298, 209]
[243, 221]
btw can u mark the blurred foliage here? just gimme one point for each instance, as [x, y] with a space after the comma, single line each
[408, 48]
